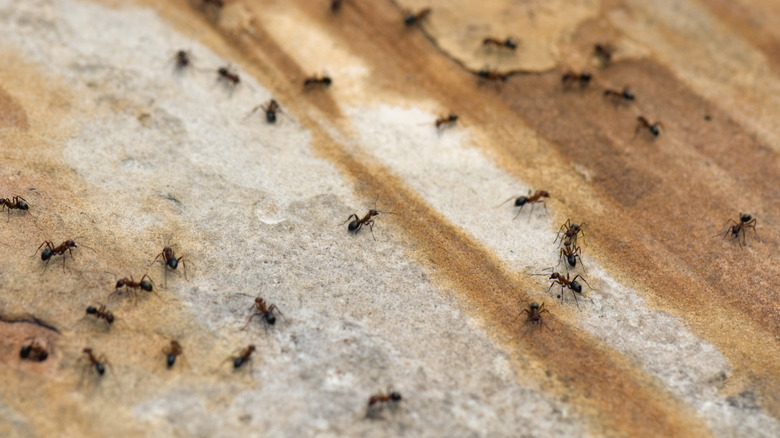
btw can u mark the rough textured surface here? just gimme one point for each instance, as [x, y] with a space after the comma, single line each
[113, 147]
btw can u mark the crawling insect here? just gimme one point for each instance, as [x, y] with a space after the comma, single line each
[492, 75]
[52, 250]
[565, 282]
[532, 198]
[34, 351]
[317, 82]
[183, 59]
[443, 122]
[619, 97]
[97, 362]
[377, 401]
[17, 202]
[244, 357]
[410, 18]
[735, 228]
[570, 77]
[603, 52]
[508, 43]
[571, 253]
[270, 108]
[534, 312]
[264, 311]
[169, 257]
[643, 123]
[358, 223]
[172, 352]
[570, 231]
[230, 78]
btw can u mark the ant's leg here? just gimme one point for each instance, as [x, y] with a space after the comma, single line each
[250, 319]
[350, 217]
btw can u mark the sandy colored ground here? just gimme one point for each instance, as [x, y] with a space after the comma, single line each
[114, 148]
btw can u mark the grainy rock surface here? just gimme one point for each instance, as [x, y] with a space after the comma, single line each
[675, 334]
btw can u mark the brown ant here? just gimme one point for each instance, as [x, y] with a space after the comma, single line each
[183, 59]
[618, 97]
[270, 108]
[603, 52]
[508, 43]
[317, 81]
[571, 77]
[52, 250]
[243, 357]
[101, 313]
[492, 75]
[377, 401]
[172, 352]
[443, 122]
[745, 221]
[358, 223]
[534, 312]
[532, 198]
[98, 362]
[570, 232]
[571, 253]
[264, 311]
[572, 284]
[16, 202]
[34, 351]
[643, 123]
[230, 78]
[169, 257]
[410, 18]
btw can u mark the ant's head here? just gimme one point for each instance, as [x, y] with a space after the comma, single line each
[24, 353]
[745, 218]
[171, 359]
[172, 263]
[395, 396]
[555, 275]
[576, 286]
[109, 317]
[146, 285]
[572, 259]
[534, 305]
[100, 367]
[519, 202]
[46, 254]
[71, 244]
[120, 283]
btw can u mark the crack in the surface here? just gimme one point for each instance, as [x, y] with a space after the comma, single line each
[29, 319]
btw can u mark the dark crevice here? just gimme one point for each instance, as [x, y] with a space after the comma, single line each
[29, 319]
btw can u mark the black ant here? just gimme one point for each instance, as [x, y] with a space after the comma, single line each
[101, 313]
[534, 312]
[34, 351]
[264, 311]
[169, 257]
[270, 108]
[317, 81]
[643, 123]
[358, 223]
[508, 43]
[410, 18]
[172, 352]
[571, 77]
[16, 202]
[243, 357]
[492, 75]
[603, 52]
[230, 78]
[571, 252]
[52, 250]
[98, 362]
[618, 97]
[570, 232]
[377, 401]
[443, 122]
[745, 221]
[572, 284]
[183, 59]
[532, 198]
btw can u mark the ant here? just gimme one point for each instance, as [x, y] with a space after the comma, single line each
[572, 284]
[410, 18]
[230, 78]
[265, 311]
[745, 221]
[377, 401]
[508, 43]
[643, 123]
[101, 313]
[170, 261]
[183, 59]
[534, 312]
[52, 250]
[570, 232]
[98, 362]
[443, 122]
[618, 97]
[492, 75]
[34, 351]
[603, 52]
[571, 77]
[270, 108]
[358, 223]
[129, 283]
[172, 352]
[532, 198]
[243, 357]
[571, 252]
[317, 81]
[17, 202]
